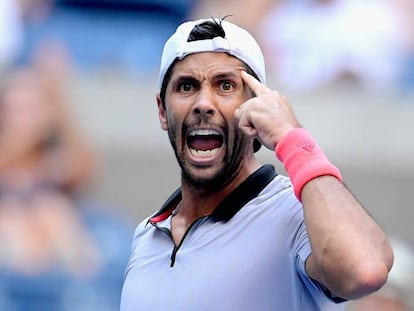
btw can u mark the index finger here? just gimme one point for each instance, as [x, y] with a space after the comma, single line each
[255, 85]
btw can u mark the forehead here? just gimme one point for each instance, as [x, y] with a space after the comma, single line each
[208, 63]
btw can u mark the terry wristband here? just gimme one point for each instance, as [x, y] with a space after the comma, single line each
[303, 159]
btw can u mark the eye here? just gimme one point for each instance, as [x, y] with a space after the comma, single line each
[186, 87]
[226, 85]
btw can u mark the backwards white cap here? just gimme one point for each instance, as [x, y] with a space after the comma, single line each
[237, 42]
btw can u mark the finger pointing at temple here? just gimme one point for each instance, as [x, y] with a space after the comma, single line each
[267, 116]
[255, 85]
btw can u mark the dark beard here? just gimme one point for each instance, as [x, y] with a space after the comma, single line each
[229, 169]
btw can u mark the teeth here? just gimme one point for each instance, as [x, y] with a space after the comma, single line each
[204, 132]
[205, 153]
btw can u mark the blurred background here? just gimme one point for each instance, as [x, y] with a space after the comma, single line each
[83, 159]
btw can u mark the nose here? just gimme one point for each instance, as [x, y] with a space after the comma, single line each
[204, 104]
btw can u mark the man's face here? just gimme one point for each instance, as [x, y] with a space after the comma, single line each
[202, 95]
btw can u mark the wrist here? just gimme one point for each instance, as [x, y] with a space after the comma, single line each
[303, 159]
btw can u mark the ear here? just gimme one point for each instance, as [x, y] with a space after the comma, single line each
[162, 113]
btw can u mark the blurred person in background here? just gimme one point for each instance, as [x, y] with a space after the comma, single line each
[397, 293]
[41, 152]
[314, 43]
[58, 251]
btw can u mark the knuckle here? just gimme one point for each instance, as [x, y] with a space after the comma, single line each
[276, 93]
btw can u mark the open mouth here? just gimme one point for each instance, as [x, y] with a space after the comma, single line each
[204, 143]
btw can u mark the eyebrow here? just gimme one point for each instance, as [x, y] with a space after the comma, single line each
[182, 79]
[226, 75]
[185, 78]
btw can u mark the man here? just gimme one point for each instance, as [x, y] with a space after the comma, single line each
[235, 235]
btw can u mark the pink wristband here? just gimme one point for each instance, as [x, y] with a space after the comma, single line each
[303, 159]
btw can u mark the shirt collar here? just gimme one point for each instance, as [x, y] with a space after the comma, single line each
[245, 192]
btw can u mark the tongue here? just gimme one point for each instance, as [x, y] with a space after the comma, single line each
[205, 143]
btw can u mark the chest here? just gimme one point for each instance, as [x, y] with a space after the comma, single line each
[214, 261]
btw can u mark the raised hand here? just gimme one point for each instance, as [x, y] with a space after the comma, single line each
[268, 116]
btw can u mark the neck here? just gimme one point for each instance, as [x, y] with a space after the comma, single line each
[197, 203]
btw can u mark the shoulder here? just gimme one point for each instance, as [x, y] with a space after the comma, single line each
[277, 206]
[279, 193]
[142, 227]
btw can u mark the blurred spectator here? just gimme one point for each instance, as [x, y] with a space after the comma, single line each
[313, 43]
[397, 294]
[35, 122]
[58, 250]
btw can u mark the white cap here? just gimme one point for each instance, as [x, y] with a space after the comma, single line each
[237, 42]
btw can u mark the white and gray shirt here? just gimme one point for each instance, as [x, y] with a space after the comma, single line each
[249, 254]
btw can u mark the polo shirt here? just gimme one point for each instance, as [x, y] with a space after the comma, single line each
[249, 254]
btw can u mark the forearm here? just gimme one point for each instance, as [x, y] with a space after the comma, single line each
[350, 252]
